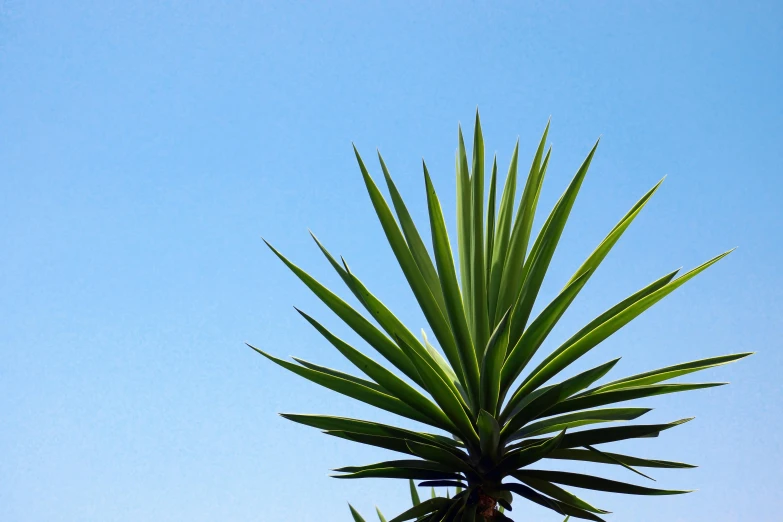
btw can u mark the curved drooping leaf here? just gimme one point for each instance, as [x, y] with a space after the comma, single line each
[619, 462]
[547, 502]
[590, 482]
[558, 493]
[588, 456]
[604, 435]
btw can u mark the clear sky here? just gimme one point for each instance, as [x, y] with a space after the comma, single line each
[145, 148]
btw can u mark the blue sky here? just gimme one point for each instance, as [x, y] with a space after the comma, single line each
[147, 146]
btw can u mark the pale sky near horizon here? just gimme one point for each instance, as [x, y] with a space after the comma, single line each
[146, 147]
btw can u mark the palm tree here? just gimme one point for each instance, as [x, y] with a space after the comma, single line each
[500, 416]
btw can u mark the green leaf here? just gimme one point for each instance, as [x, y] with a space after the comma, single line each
[524, 457]
[330, 423]
[442, 484]
[356, 516]
[489, 435]
[612, 397]
[575, 348]
[618, 461]
[665, 374]
[597, 483]
[421, 291]
[478, 276]
[391, 443]
[404, 463]
[574, 420]
[511, 280]
[502, 235]
[385, 318]
[614, 434]
[491, 364]
[395, 386]
[428, 506]
[512, 368]
[587, 456]
[342, 375]
[464, 222]
[436, 454]
[531, 340]
[439, 515]
[352, 389]
[354, 319]
[543, 249]
[443, 395]
[414, 494]
[555, 505]
[490, 232]
[448, 282]
[399, 473]
[598, 255]
[560, 494]
[415, 243]
[381, 518]
[394, 327]
[445, 370]
[547, 400]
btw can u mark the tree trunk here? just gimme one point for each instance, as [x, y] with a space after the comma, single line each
[487, 507]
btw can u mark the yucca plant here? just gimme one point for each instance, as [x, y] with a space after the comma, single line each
[500, 416]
